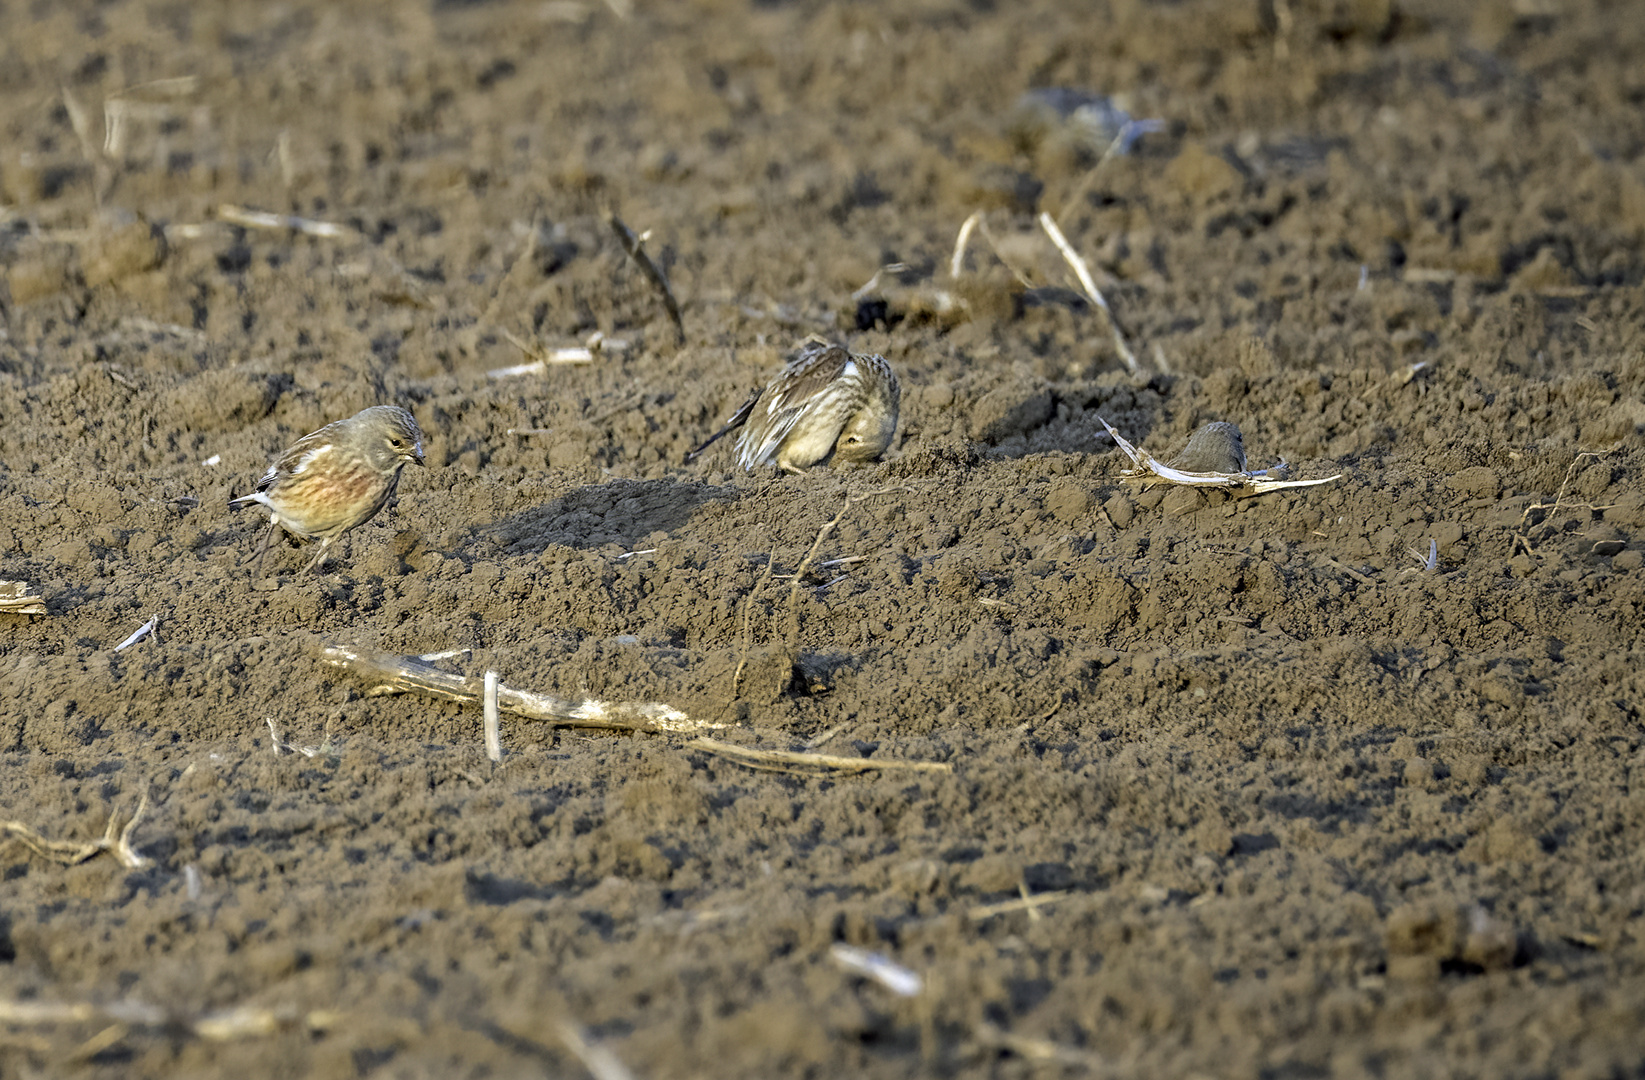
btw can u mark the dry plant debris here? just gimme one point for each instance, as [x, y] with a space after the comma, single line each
[1522, 532]
[883, 970]
[599, 1060]
[493, 730]
[241, 1021]
[116, 840]
[1089, 286]
[260, 219]
[635, 247]
[15, 599]
[947, 302]
[139, 634]
[1425, 563]
[1149, 469]
[1029, 902]
[794, 761]
[280, 746]
[386, 673]
[594, 346]
[1033, 1049]
[794, 589]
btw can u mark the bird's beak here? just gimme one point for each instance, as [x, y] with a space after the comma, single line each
[417, 453]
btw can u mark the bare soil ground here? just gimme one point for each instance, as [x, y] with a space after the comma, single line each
[1297, 803]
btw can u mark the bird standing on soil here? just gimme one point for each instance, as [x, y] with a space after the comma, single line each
[333, 479]
[1216, 447]
[829, 405]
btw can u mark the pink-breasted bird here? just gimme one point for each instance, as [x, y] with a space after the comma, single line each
[334, 479]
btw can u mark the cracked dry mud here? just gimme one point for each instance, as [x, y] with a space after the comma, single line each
[1308, 807]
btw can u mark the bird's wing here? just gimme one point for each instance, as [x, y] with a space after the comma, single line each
[809, 375]
[817, 364]
[759, 441]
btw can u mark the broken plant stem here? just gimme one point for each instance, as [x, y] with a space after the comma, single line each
[957, 262]
[391, 674]
[493, 731]
[635, 247]
[1148, 467]
[1522, 535]
[233, 1023]
[139, 634]
[258, 219]
[797, 762]
[115, 840]
[1083, 272]
[15, 599]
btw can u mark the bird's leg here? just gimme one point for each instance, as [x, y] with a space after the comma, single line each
[319, 556]
[262, 549]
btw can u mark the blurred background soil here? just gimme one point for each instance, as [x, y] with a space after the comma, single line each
[1300, 801]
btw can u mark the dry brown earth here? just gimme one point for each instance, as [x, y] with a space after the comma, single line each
[1308, 807]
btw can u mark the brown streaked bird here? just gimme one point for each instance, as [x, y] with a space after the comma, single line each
[829, 405]
[334, 479]
[1216, 447]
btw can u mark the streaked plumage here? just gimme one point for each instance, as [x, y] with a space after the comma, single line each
[336, 478]
[829, 405]
[1216, 447]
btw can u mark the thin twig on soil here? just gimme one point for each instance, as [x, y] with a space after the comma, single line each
[387, 673]
[139, 103]
[978, 222]
[794, 588]
[80, 121]
[1522, 535]
[490, 315]
[1083, 272]
[822, 534]
[1350, 571]
[873, 283]
[408, 290]
[1026, 902]
[795, 761]
[593, 347]
[1425, 563]
[1129, 133]
[999, 253]
[635, 247]
[115, 840]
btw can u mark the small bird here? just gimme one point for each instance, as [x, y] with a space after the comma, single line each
[829, 405]
[333, 479]
[1216, 447]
